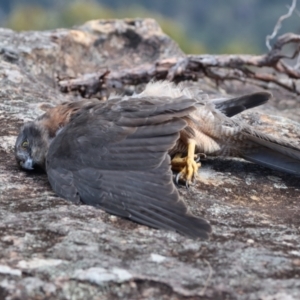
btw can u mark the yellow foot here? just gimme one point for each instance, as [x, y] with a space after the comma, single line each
[188, 173]
[187, 167]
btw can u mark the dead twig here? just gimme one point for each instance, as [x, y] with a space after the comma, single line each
[267, 68]
[279, 24]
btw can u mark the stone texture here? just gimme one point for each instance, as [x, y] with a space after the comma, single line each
[51, 249]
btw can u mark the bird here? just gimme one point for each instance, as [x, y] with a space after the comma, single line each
[118, 155]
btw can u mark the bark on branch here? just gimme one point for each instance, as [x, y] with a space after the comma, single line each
[267, 68]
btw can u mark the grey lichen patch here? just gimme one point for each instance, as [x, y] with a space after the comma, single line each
[101, 276]
[209, 176]
[6, 270]
[157, 258]
[39, 263]
[8, 143]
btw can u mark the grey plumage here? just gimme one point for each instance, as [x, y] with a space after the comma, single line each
[115, 157]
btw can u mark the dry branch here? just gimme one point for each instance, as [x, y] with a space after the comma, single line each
[279, 24]
[268, 68]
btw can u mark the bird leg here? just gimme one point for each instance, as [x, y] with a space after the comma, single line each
[186, 166]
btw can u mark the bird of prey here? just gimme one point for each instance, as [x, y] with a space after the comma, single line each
[116, 155]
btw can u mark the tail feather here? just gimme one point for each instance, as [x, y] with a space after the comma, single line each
[273, 153]
[264, 149]
[274, 160]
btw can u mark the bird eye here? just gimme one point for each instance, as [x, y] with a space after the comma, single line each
[25, 144]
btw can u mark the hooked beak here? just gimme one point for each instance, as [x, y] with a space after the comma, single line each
[27, 164]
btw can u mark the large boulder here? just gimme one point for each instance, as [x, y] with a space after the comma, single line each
[51, 249]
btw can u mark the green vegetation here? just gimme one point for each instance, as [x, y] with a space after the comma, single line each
[35, 17]
[198, 26]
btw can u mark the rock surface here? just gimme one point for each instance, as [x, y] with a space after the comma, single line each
[51, 249]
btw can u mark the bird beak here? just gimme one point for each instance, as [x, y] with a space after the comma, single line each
[27, 164]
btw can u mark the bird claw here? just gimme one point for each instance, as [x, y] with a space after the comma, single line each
[178, 179]
[199, 156]
[189, 170]
[189, 173]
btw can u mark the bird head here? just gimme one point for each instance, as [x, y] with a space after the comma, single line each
[31, 146]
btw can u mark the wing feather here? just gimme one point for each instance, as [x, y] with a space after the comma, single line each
[115, 156]
[234, 106]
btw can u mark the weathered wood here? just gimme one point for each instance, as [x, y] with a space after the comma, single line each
[270, 68]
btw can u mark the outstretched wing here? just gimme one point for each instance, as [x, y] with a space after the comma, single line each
[115, 157]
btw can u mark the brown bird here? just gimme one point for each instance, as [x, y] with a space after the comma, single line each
[115, 155]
